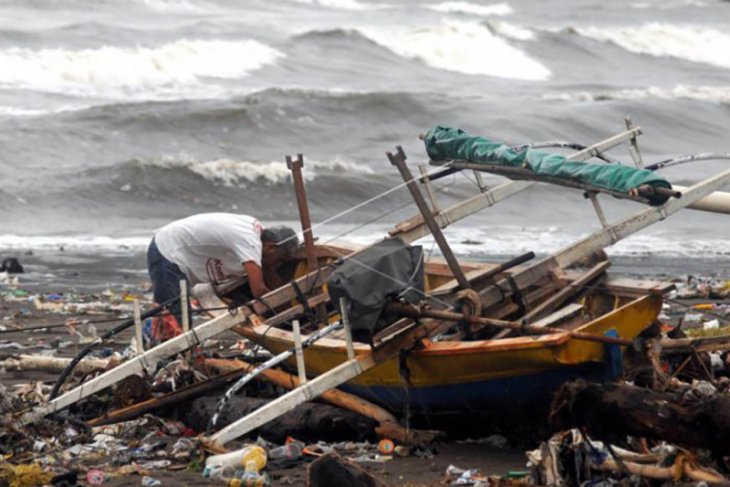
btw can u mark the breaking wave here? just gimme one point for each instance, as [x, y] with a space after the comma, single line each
[690, 43]
[123, 71]
[471, 8]
[240, 173]
[462, 47]
[178, 5]
[712, 94]
[335, 4]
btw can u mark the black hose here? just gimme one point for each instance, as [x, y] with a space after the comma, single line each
[564, 145]
[685, 159]
[108, 334]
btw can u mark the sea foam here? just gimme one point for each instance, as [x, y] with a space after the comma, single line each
[710, 94]
[335, 4]
[177, 6]
[240, 173]
[471, 8]
[123, 71]
[464, 47]
[691, 43]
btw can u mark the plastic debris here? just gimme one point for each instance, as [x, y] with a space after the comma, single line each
[386, 446]
[28, 475]
[711, 325]
[148, 481]
[95, 477]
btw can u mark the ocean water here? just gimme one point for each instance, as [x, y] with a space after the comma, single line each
[117, 117]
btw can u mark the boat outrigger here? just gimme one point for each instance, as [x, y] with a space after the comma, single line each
[443, 336]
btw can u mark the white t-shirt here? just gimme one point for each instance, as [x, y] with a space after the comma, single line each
[211, 247]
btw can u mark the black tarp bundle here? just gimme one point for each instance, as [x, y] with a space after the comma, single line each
[372, 278]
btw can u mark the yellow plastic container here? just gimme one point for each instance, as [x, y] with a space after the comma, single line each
[253, 458]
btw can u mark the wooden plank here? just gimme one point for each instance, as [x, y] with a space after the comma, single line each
[623, 286]
[399, 161]
[562, 314]
[478, 277]
[567, 292]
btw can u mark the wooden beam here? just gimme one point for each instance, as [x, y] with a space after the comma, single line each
[632, 224]
[295, 166]
[399, 161]
[564, 313]
[567, 292]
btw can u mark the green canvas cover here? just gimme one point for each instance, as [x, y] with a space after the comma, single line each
[444, 142]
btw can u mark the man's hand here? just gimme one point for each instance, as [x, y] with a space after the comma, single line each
[259, 308]
[255, 279]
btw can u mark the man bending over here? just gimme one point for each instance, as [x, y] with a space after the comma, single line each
[215, 248]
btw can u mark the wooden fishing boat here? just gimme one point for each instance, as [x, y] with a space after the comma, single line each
[451, 375]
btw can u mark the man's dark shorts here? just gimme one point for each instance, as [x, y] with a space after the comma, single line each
[165, 277]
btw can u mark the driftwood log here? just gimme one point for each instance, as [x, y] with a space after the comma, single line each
[176, 397]
[54, 364]
[387, 427]
[310, 421]
[610, 412]
[332, 470]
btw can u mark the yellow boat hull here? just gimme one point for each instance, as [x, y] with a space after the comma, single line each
[452, 376]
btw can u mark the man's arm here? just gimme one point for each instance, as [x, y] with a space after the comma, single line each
[256, 279]
[272, 278]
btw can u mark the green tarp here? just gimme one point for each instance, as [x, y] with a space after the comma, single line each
[444, 142]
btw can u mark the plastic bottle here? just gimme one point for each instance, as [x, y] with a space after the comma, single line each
[252, 458]
[258, 481]
[291, 451]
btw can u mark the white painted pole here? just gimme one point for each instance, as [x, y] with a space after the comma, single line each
[634, 147]
[185, 315]
[348, 330]
[599, 210]
[429, 188]
[139, 344]
[717, 202]
[299, 353]
[632, 224]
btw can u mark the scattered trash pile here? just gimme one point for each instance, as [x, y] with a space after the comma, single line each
[667, 422]
[571, 458]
